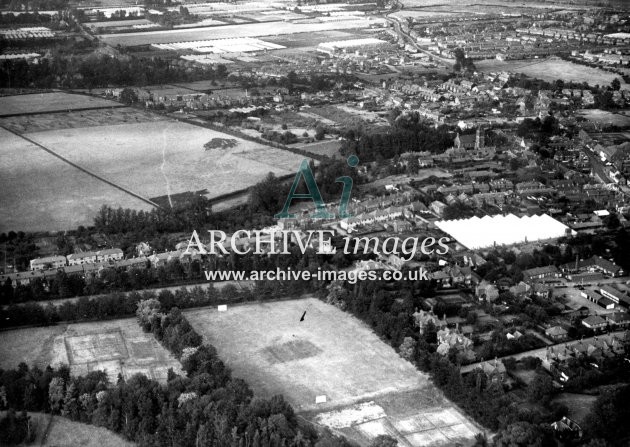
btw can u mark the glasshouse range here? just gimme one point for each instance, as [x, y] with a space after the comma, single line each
[489, 231]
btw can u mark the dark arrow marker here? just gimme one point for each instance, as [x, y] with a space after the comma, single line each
[303, 315]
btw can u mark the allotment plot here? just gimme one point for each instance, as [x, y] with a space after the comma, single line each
[115, 346]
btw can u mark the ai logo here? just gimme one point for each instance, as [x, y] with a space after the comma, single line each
[314, 194]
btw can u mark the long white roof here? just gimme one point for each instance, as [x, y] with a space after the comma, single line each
[502, 230]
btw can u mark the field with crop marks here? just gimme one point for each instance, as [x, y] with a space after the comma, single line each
[369, 389]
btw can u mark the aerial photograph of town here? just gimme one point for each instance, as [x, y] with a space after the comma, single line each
[315, 223]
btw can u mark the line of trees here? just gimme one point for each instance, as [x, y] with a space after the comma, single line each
[98, 70]
[116, 305]
[409, 133]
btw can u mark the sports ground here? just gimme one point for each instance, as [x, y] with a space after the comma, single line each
[369, 389]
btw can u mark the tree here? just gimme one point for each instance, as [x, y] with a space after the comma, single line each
[384, 441]
[320, 132]
[540, 389]
[15, 429]
[615, 84]
[609, 416]
[128, 96]
[55, 393]
[267, 195]
[407, 348]
[524, 434]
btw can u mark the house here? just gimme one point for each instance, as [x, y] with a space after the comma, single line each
[399, 226]
[161, 259]
[49, 262]
[538, 273]
[486, 291]
[110, 254]
[594, 322]
[422, 320]
[556, 333]
[437, 207]
[494, 370]
[619, 319]
[566, 428]
[441, 278]
[452, 339]
[520, 289]
[86, 257]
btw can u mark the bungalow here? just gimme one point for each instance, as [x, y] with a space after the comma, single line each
[556, 333]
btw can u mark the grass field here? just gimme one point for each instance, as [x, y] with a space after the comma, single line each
[40, 192]
[116, 346]
[553, 69]
[579, 405]
[158, 158]
[603, 117]
[50, 102]
[368, 387]
[66, 433]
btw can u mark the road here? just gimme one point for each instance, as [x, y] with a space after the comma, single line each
[406, 38]
[540, 353]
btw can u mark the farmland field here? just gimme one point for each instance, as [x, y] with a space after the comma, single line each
[61, 197]
[50, 102]
[229, 31]
[368, 387]
[141, 152]
[163, 157]
[69, 120]
[116, 346]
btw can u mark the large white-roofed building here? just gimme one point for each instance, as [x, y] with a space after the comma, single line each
[368, 43]
[489, 231]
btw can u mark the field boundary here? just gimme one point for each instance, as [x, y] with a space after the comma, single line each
[81, 168]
